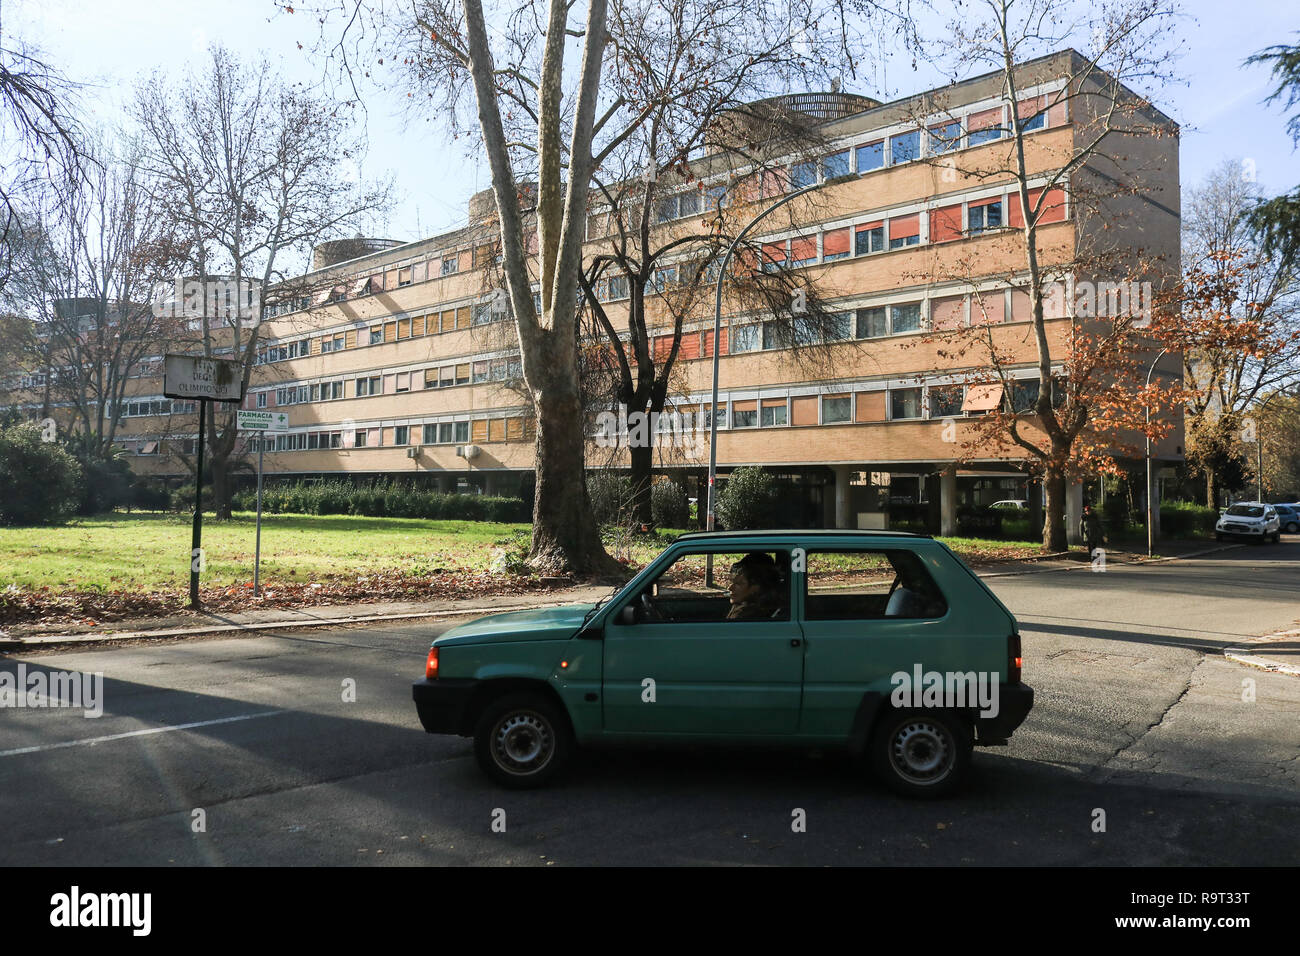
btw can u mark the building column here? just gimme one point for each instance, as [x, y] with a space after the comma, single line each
[1073, 512]
[842, 517]
[489, 483]
[948, 502]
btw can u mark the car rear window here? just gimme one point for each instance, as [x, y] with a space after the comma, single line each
[863, 585]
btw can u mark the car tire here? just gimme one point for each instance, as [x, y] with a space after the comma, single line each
[921, 753]
[1218, 536]
[1293, 528]
[522, 741]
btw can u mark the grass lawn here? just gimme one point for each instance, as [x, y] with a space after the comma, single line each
[122, 551]
[151, 551]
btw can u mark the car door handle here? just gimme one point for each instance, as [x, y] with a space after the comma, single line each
[795, 642]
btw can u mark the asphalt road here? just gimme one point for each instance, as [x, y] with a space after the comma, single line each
[1137, 715]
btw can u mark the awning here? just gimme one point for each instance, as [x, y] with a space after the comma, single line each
[362, 286]
[150, 447]
[323, 296]
[982, 398]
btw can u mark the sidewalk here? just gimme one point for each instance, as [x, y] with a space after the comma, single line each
[28, 636]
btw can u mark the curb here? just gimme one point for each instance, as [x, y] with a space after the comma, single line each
[1243, 655]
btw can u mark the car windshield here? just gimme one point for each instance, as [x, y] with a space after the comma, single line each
[1246, 511]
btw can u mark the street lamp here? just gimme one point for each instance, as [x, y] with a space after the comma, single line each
[717, 334]
[1147, 405]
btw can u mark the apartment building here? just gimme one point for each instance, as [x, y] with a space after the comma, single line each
[401, 361]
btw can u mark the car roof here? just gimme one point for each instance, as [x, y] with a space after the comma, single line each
[799, 532]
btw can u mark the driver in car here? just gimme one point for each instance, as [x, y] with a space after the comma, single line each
[755, 588]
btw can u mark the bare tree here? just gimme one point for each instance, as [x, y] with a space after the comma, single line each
[89, 260]
[552, 102]
[1073, 426]
[252, 172]
[1240, 328]
[39, 132]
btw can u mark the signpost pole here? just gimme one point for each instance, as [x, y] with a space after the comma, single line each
[196, 537]
[257, 550]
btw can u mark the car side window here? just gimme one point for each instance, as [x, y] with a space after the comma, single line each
[867, 584]
[742, 586]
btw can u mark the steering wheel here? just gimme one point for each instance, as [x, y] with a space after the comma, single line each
[648, 610]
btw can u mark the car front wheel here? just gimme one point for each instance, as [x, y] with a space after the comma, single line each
[920, 753]
[522, 741]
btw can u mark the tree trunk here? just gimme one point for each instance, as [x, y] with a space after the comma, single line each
[1211, 489]
[566, 539]
[221, 487]
[1054, 509]
[642, 459]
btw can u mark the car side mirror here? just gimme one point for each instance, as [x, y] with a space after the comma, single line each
[628, 614]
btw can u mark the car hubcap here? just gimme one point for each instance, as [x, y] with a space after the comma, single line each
[922, 752]
[522, 743]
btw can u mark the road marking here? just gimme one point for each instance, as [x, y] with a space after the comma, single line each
[136, 733]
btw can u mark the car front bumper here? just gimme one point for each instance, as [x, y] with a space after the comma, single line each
[443, 704]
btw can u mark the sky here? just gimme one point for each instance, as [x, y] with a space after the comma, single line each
[109, 45]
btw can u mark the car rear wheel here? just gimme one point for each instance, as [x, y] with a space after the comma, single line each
[921, 753]
[522, 741]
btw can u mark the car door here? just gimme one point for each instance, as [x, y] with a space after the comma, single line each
[674, 664]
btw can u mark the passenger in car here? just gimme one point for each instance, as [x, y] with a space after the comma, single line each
[755, 588]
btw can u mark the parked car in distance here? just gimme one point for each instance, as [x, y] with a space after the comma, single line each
[1010, 504]
[882, 645]
[1249, 519]
[1289, 517]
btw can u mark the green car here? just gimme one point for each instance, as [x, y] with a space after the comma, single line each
[882, 645]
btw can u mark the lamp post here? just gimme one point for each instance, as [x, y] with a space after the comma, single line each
[1147, 404]
[717, 334]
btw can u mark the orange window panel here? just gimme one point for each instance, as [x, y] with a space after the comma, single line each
[1053, 208]
[403, 328]
[690, 347]
[417, 326]
[463, 317]
[496, 429]
[945, 223]
[388, 438]
[747, 406]
[478, 430]
[948, 313]
[835, 243]
[902, 227]
[803, 248]
[466, 260]
[663, 344]
[708, 344]
[803, 410]
[984, 119]
[988, 308]
[462, 372]
[514, 429]
[774, 252]
[390, 331]
[350, 339]
[869, 407]
[982, 398]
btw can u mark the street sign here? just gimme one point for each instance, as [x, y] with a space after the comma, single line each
[262, 421]
[193, 376]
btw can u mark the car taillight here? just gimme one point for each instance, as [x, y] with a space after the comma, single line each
[431, 665]
[1014, 659]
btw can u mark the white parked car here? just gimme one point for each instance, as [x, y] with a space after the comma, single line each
[1249, 519]
[1010, 504]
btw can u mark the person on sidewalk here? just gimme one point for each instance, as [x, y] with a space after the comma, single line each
[1090, 529]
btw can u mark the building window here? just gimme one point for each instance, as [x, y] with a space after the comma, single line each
[905, 318]
[481, 370]
[404, 276]
[871, 156]
[261, 399]
[461, 430]
[872, 323]
[835, 245]
[369, 386]
[618, 288]
[688, 204]
[840, 327]
[984, 217]
[450, 265]
[904, 147]
[666, 209]
[773, 415]
[837, 409]
[904, 403]
[377, 335]
[835, 165]
[400, 434]
[869, 239]
[1024, 394]
[744, 338]
[945, 138]
[946, 401]
[803, 174]
[747, 418]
